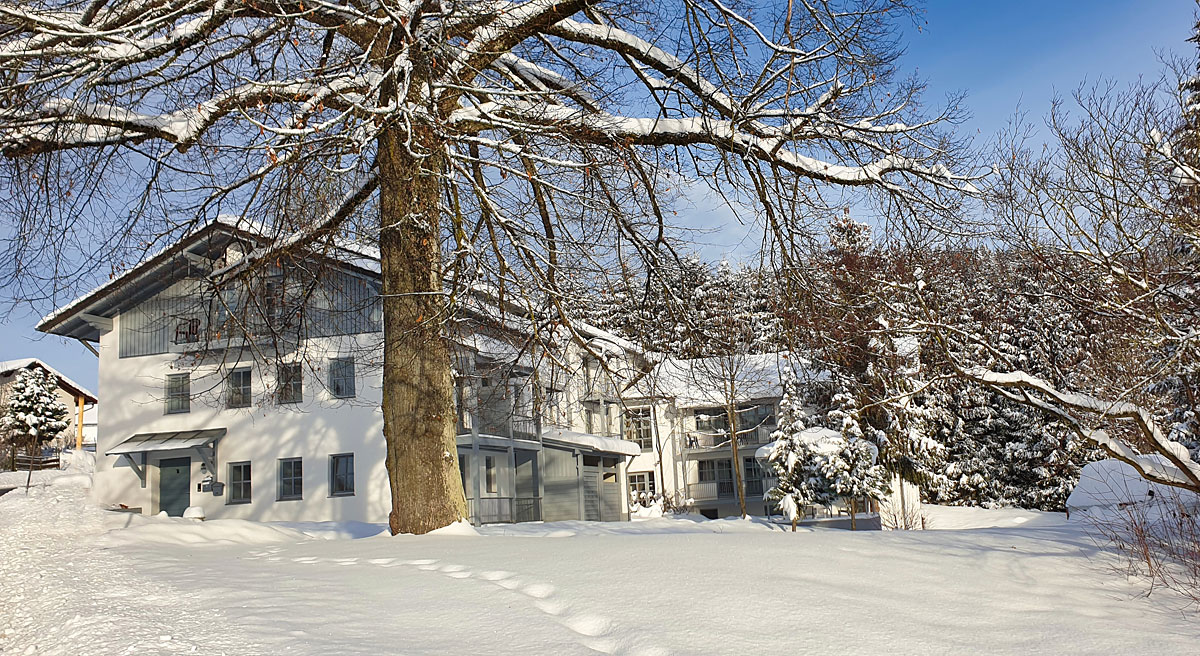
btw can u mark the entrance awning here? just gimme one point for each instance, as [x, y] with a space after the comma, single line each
[143, 442]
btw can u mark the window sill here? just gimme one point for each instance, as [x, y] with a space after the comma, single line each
[341, 494]
[289, 499]
[237, 503]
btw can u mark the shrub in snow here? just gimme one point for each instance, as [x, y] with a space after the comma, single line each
[193, 512]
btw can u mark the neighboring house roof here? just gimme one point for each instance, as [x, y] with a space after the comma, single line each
[699, 381]
[8, 366]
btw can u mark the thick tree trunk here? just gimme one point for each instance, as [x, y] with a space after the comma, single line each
[418, 389]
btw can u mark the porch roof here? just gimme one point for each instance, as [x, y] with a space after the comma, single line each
[591, 442]
[167, 441]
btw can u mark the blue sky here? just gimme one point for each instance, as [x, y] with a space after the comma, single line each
[1000, 53]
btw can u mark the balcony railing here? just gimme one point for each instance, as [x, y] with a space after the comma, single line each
[505, 510]
[713, 439]
[500, 423]
[721, 490]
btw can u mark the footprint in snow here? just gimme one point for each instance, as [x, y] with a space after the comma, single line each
[508, 584]
[307, 560]
[552, 606]
[381, 561]
[586, 624]
[424, 561]
[538, 590]
[497, 575]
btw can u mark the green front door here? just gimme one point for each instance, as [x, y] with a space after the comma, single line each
[174, 485]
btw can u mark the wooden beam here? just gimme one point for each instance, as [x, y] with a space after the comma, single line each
[103, 324]
[79, 425]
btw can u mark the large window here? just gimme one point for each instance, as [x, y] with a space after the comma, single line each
[239, 389]
[639, 427]
[719, 472]
[291, 383]
[341, 378]
[291, 479]
[179, 393]
[341, 475]
[754, 476]
[239, 482]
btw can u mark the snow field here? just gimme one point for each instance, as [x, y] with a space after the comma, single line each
[1033, 584]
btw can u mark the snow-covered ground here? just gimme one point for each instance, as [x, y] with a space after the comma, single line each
[71, 582]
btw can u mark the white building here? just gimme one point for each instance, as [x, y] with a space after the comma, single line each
[263, 401]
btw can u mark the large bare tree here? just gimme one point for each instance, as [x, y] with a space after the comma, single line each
[494, 141]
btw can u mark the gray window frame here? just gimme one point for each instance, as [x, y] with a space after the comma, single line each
[490, 475]
[333, 475]
[335, 380]
[236, 484]
[246, 391]
[181, 395]
[290, 381]
[294, 478]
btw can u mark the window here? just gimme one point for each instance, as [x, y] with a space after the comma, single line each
[341, 378]
[239, 389]
[711, 420]
[291, 383]
[179, 393]
[341, 475]
[552, 403]
[708, 471]
[462, 472]
[641, 485]
[591, 417]
[754, 476]
[639, 427]
[239, 482]
[489, 466]
[291, 479]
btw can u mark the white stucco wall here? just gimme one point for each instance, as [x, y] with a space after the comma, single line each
[263, 433]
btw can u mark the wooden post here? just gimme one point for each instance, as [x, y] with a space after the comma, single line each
[79, 425]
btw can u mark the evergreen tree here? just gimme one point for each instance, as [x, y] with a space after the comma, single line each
[33, 413]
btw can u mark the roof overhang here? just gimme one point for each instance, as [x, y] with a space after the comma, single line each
[146, 442]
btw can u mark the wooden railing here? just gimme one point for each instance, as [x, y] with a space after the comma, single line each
[505, 510]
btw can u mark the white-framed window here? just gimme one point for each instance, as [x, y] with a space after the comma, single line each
[754, 475]
[291, 479]
[341, 475]
[641, 485]
[291, 383]
[552, 407]
[341, 378]
[239, 482]
[239, 392]
[178, 394]
[639, 427]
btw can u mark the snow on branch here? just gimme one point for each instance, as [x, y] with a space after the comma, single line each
[1177, 470]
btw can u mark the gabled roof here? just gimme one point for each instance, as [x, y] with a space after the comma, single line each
[8, 366]
[165, 267]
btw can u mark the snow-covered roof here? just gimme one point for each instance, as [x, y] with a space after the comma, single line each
[824, 440]
[593, 442]
[1111, 482]
[7, 366]
[698, 382]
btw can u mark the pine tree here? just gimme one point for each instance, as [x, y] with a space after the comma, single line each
[796, 459]
[33, 413]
